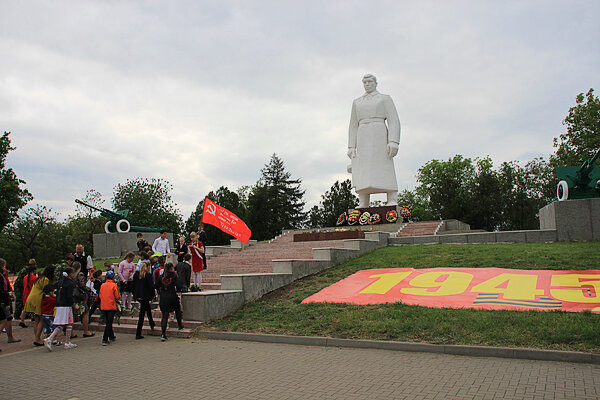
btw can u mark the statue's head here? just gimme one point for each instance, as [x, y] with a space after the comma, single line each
[369, 82]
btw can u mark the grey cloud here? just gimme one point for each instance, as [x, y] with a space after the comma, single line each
[202, 93]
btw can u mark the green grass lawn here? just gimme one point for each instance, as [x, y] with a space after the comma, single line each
[281, 312]
[99, 264]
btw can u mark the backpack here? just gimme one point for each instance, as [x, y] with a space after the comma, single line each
[78, 293]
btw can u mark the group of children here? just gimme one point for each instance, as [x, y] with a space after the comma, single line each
[191, 253]
[140, 282]
[58, 304]
[144, 281]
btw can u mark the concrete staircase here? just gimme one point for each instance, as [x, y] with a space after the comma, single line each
[259, 257]
[128, 324]
[424, 228]
[249, 274]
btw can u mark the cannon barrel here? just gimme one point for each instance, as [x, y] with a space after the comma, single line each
[582, 176]
[88, 205]
[112, 215]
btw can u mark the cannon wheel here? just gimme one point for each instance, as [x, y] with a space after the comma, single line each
[562, 191]
[107, 227]
[123, 226]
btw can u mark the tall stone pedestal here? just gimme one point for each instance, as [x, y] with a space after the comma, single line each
[113, 245]
[573, 219]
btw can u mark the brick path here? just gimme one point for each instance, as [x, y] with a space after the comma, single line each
[186, 369]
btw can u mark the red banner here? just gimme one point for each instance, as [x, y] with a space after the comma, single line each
[225, 220]
[483, 288]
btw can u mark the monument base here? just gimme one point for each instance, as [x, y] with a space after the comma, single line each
[572, 219]
[373, 217]
[114, 245]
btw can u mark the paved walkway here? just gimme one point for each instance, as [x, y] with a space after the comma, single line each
[188, 369]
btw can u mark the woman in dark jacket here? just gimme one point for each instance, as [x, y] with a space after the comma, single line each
[64, 309]
[143, 292]
[167, 286]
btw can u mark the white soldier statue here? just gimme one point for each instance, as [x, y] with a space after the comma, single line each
[372, 144]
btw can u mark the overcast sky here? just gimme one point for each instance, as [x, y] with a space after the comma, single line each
[202, 93]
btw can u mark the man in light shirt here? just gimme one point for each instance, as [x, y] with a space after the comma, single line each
[83, 259]
[161, 244]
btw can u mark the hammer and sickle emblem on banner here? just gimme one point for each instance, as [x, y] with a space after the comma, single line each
[211, 209]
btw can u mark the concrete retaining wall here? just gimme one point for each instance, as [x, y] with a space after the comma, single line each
[537, 236]
[211, 304]
[454, 225]
[114, 245]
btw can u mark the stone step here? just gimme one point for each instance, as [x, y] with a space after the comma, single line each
[419, 229]
[146, 331]
[211, 286]
[133, 321]
[129, 325]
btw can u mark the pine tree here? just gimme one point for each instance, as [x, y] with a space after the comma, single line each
[338, 199]
[276, 202]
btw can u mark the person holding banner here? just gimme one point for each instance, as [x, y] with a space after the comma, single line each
[196, 249]
[203, 237]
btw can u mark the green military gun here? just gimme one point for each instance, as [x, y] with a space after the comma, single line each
[579, 182]
[118, 220]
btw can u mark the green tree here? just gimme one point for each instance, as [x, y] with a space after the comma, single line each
[314, 218]
[484, 201]
[276, 202]
[34, 233]
[12, 196]
[87, 221]
[506, 198]
[261, 212]
[225, 198]
[582, 138]
[446, 185]
[338, 199]
[243, 192]
[418, 204]
[524, 190]
[150, 203]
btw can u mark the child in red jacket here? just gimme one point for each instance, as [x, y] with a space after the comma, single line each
[109, 294]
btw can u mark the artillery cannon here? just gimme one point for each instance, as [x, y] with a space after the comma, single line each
[579, 182]
[118, 220]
